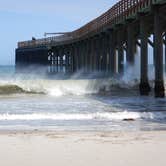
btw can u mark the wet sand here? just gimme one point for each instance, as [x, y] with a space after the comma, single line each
[50, 148]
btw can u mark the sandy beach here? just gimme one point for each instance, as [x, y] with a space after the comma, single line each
[48, 148]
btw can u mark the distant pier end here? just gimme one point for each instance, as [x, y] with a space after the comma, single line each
[106, 44]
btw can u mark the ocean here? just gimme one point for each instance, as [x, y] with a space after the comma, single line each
[36, 101]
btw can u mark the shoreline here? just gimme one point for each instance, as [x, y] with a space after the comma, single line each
[93, 134]
[99, 135]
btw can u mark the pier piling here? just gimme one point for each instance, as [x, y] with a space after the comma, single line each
[158, 53]
[144, 83]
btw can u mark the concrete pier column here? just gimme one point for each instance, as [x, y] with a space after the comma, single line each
[104, 47]
[102, 53]
[107, 52]
[61, 53]
[86, 56]
[95, 54]
[50, 61]
[144, 84]
[67, 54]
[72, 58]
[113, 53]
[158, 53]
[91, 55]
[98, 54]
[83, 54]
[76, 57]
[56, 62]
[120, 52]
[75, 54]
[68, 62]
[130, 45]
[165, 49]
[70, 70]
[79, 56]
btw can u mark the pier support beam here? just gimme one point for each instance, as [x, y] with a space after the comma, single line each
[86, 57]
[165, 49]
[83, 56]
[65, 60]
[130, 45]
[112, 53]
[144, 84]
[105, 53]
[56, 63]
[97, 53]
[76, 52]
[79, 55]
[69, 61]
[91, 55]
[120, 52]
[107, 45]
[104, 47]
[73, 65]
[158, 54]
[100, 53]
[61, 59]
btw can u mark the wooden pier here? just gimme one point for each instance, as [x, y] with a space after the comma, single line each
[102, 44]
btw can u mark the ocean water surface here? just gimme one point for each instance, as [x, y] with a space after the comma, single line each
[40, 102]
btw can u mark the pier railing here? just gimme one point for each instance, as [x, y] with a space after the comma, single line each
[117, 14]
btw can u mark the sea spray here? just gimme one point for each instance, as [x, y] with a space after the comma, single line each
[77, 84]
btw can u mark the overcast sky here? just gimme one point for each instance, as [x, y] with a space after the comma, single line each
[22, 19]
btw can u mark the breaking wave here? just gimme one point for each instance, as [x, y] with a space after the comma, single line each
[113, 116]
[74, 85]
[61, 87]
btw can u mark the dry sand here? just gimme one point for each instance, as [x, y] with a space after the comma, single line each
[83, 148]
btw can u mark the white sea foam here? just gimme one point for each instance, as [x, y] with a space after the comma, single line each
[116, 116]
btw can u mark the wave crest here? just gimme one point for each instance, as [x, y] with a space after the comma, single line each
[9, 89]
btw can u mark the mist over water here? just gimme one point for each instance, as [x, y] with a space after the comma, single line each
[38, 101]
